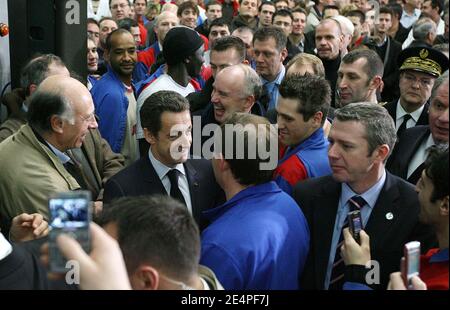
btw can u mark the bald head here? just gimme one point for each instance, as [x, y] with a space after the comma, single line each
[62, 111]
[164, 22]
[169, 7]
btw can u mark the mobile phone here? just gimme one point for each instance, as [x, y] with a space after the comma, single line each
[355, 224]
[412, 262]
[70, 214]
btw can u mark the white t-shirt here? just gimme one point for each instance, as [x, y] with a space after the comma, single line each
[164, 82]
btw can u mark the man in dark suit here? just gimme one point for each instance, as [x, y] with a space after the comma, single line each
[361, 139]
[166, 169]
[419, 67]
[410, 153]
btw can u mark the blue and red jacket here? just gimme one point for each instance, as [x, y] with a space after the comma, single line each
[307, 160]
[148, 56]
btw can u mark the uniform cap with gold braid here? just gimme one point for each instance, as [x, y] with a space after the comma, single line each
[423, 59]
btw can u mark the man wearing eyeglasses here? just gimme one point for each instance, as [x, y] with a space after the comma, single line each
[419, 67]
[121, 9]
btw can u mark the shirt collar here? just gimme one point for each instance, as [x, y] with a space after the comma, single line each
[440, 256]
[370, 196]
[160, 168]
[278, 79]
[5, 247]
[401, 112]
[61, 156]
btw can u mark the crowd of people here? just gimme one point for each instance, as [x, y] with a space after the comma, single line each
[334, 106]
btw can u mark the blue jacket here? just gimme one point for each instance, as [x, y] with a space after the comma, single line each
[111, 105]
[259, 239]
[312, 154]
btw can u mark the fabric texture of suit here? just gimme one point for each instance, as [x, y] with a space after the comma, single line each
[391, 74]
[319, 199]
[391, 107]
[404, 151]
[140, 178]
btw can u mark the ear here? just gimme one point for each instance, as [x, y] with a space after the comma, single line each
[317, 118]
[145, 278]
[57, 124]
[149, 137]
[249, 102]
[376, 83]
[284, 54]
[245, 62]
[32, 88]
[443, 207]
[381, 153]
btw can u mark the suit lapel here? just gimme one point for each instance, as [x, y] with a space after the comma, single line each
[150, 176]
[384, 213]
[193, 181]
[423, 118]
[326, 205]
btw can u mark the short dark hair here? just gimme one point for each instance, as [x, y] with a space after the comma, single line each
[266, 2]
[219, 22]
[374, 65]
[299, 10]
[387, 10]
[127, 23]
[357, 13]
[229, 42]
[313, 92]
[283, 12]
[212, 2]
[187, 5]
[157, 230]
[92, 21]
[330, 7]
[245, 168]
[265, 33]
[437, 4]
[35, 71]
[44, 105]
[129, 3]
[378, 124]
[396, 9]
[436, 168]
[158, 103]
[113, 33]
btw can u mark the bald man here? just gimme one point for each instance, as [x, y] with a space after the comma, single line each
[37, 160]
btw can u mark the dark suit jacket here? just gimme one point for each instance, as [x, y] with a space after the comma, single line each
[392, 109]
[319, 199]
[391, 73]
[140, 178]
[409, 142]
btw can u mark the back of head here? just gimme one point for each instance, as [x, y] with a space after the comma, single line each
[379, 125]
[276, 33]
[436, 168]
[127, 24]
[250, 146]
[357, 13]
[423, 27]
[158, 103]
[307, 59]
[373, 66]
[158, 231]
[37, 70]
[313, 93]
[346, 24]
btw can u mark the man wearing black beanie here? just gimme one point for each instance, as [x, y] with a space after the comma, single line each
[183, 52]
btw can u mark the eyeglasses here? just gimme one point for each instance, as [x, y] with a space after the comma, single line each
[424, 82]
[88, 118]
[122, 6]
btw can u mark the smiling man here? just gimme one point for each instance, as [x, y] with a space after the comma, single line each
[302, 109]
[361, 140]
[60, 115]
[114, 100]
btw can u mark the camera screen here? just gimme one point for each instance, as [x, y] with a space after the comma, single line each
[357, 226]
[69, 213]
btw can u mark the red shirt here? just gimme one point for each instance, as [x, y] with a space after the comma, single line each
[434, 269]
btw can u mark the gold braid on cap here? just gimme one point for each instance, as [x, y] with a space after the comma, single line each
[425, 65]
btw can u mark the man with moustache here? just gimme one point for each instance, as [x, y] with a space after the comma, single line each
[113, 94]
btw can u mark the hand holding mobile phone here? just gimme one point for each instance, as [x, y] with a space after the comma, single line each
[412, 262]
[70, 214]
[355, 224]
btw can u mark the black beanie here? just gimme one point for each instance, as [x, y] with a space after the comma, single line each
[179, 43]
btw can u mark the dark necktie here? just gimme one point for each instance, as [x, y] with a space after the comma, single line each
[337, 272]
[75, 170]
[402, 127]
[174, 189]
